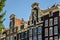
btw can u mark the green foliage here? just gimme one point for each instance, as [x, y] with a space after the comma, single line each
[2, 4]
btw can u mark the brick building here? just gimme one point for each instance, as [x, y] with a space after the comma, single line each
[42, 25]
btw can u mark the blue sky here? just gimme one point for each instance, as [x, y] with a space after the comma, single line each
[22, 8]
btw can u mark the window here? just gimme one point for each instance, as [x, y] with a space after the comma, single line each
[11, 37]
[46, 23]
[35, 38]
[22, 26]
[34, 32]
[19, 36]
[34, 22]
[22, 35]
[11, 23]
[25, 34]
[46, 31]
[28, 22]
[30, 31]
[55, 29]
[39, 30]
[55, 20]
[39, 37]
[50, 31]
[51, 38]
[10, 30]
[30, 38]
[56, 38]
[50, 22]
[46, 38]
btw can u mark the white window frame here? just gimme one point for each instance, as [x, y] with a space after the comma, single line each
[46, 31]
[51, 22]
[51, 31]
[39, 37]
[46, 23]
[55, 20]
[55, 30]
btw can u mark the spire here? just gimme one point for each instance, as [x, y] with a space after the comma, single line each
[12, 15]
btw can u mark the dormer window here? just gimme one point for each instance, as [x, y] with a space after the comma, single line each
[28, 22]
[11, 24]
[22, 26]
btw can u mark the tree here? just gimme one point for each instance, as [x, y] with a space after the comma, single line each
[2, 4]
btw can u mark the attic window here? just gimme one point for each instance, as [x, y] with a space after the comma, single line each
[22, 26]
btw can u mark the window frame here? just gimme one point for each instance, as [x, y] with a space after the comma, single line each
[51, 22]
[46, 23]
[55, 30]
[46, 31]
[55, 20]
[51, 31]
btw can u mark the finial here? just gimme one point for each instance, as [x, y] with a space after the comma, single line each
[35, 4]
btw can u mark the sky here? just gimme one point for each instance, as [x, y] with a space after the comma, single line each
[22, 8]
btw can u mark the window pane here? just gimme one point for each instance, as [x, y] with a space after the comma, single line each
[34, 32]
[55, 20]
[46, 23]
[30, 38]
[11, 37]
[11, 23]
[30, 31]
[55, 29]
[19, 36]
[22, 35]
[11, 30]
[50, 22]
[39, 37]
[50, 31]
[51, 38]
[39, 30]
[22, 26]
[35, 38]
[46, 38]
[25, 34]
[56, 38]
[46, 31]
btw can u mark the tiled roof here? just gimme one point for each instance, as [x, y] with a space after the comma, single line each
[18, 22]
